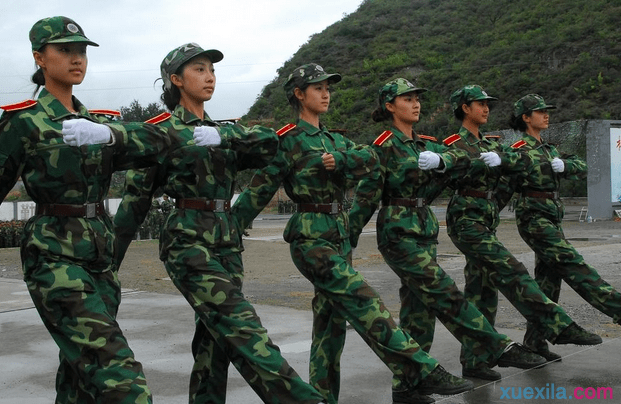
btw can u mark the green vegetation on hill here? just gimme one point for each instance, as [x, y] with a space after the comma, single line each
[569, 51]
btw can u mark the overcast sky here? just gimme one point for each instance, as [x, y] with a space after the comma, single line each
[256, 37]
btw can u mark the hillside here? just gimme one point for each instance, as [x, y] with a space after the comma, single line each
[566, 50]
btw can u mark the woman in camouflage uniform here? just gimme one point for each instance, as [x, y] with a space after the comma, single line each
[407, 233]
[314, 165]
[472, 218]
[68, 245]
[200, 242]
[539, 213]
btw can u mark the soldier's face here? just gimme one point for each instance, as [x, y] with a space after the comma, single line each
[63, 63]
[405, 108]
[197, 82]
[315, 98]
[476, 112]
[538, 120]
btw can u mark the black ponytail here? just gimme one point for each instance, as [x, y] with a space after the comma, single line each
[39, 79]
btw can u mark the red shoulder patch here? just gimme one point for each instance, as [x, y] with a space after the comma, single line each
[425, 137]
[451, 139]
[285, 129]
[383, 137]
[518, 144]
[159, 118]
[110, 112]
[19, 105]
[492, 137]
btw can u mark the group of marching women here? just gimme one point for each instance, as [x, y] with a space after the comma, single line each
[71, 249]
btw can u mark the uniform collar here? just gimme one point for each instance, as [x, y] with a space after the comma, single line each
[401, 136]
[311, 129]
[531, 141]
[470, 138]
[189, 118]
[56, 110]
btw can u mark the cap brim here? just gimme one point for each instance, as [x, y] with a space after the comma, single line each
[414, 90]
[74, 39]
[214, 55]
[332, 78]
[545, 107]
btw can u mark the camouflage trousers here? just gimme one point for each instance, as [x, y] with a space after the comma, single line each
[230, 330]
[428, 292]
[342, 295]
[78, 306]
[490, 268]
[558, 260]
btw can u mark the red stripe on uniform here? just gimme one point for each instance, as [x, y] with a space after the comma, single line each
[433, 139]
[104, 112]
[285, 129]
[384, 136]
[19, 105]
[518, 144]
[159, 118]
[451, 139]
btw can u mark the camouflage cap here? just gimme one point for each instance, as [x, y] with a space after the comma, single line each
[56, 30]
[530, 102]
[178, 56]
[467, 94]
[395, 88]
[307, 74]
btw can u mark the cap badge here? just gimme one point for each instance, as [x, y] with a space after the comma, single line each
[72, 28]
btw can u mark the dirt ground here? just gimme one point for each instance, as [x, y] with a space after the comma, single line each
[272, 279]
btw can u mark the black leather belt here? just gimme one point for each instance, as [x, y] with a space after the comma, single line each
[407, 202]
[333, 208]
[213, 205]
[88, 210]
[476, 194]
[540, 194]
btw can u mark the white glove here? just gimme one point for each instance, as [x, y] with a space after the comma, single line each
[206, 136]
[428, 160]
[558, 166]
[78, 132]
[491, 159]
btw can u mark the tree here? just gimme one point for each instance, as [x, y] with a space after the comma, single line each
[137, 113]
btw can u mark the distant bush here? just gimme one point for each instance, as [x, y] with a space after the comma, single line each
[11, 233]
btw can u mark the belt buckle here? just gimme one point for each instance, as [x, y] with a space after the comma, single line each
[555, 194]
[219, 205]
[90, 210]
[489, 194]
[334, 208]
[420, 202]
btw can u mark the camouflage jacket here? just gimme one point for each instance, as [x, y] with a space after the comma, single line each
[539, 177]
[402, 178]
[194, 172]
[31, 145]
[480, 178]
[299, 167]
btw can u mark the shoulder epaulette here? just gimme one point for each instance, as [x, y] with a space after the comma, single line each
[19, 105]
[451, 139]
[383, 137]
[518, 144]
[285, 129]
[109, 112]
[494, 137]
[159, 118]
[426, 137]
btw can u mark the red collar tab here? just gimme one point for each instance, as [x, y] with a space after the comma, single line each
[518, 144]
[159, 118]
[110, 112]
[425, 137]
[19, 105]
[451, 139]
[383, 137]
[285, 129]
